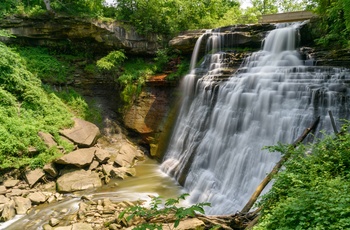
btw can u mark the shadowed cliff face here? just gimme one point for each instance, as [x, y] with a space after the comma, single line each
[100, 36]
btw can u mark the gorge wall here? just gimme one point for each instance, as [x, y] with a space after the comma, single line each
[98, 36]
[148, 119]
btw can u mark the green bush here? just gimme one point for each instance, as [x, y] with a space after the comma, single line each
[112, 61]
[77, 105]
[47, 67]
[25, 109]
[134, 75]
[312, 192]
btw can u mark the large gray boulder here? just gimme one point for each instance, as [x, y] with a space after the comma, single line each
[79, 158]
[83, 133]
[78, 180]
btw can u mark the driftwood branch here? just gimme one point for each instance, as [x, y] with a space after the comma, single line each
[277, 167]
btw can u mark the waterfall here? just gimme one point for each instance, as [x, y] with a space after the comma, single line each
[215, 150]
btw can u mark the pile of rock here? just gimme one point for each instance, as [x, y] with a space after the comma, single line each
[87, 167]
[104, 214]
[16, 197]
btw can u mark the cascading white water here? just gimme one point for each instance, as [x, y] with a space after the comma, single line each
[216, 147]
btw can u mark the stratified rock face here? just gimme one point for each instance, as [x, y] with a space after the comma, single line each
[148, 115]
[78, 180]
[84, 133]
[237, 36]
[49, 30]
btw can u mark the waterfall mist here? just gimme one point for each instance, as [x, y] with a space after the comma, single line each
[215, 150]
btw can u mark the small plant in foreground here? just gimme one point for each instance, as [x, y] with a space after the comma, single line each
[158, 210]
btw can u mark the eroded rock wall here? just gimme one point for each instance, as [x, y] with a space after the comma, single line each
[49, 30]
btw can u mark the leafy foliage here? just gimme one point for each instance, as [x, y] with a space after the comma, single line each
[335, 23]
[171, 16]
[158, 209]
[25, 109]
[312, 191]
[77, 104]
[113, 60]
[48, 68]
[133, 78]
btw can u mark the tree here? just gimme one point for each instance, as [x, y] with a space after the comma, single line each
[274, 6]
[265, 6]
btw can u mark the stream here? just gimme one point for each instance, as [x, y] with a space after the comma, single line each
[149, 181]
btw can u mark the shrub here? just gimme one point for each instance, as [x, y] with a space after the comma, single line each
[47, 67]
[25, 109]
[312, 191]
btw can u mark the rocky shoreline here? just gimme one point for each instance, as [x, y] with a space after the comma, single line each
[94, 163]
[89, 166]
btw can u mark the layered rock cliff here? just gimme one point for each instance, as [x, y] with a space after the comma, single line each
[98, 36]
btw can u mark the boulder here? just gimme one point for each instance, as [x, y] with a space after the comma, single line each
[107, 169]
[15, 192]
[54, 221]
[3, 190]
[11, 183]
[48, 139]
[94, 165]
[83, 133]
[33, 176]
[122, 172]
[37, 197]
[4, 199]
[102, 156]
[9, 211]
[22, 205]
[51, 169]
[78, 180]
[79, 158]
[127, 155]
